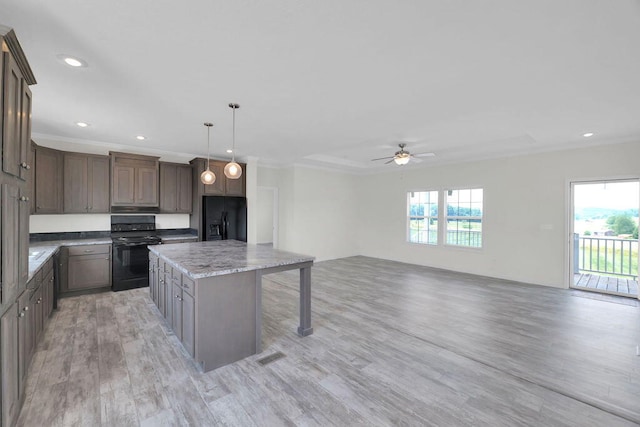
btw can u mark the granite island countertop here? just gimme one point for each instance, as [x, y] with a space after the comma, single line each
[206, 259]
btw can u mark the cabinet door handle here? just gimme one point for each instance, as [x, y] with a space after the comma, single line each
[24, 165]
[24, 199]
[26, 308]
[21, 315]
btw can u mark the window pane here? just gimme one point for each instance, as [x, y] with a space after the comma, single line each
[464, 233]
[423, 217]
[464, 217]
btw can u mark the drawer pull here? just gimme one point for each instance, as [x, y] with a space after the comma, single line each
[88, 250]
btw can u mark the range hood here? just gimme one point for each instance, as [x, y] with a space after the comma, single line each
[135, 209]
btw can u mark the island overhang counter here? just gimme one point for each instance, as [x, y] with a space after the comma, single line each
[210, 293]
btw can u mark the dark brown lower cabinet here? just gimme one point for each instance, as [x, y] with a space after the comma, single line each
[9, 364]
[21, 329]
[85, 267]
[25, 338]
[47, 292]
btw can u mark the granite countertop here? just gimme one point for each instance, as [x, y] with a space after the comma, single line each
[41, 252]
[207, 259]
[38, 256]
[72, 242]
[178, 237]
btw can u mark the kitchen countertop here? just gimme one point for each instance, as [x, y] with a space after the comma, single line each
[41, 254]
[43, 251]
[207, 259]
[178, 237]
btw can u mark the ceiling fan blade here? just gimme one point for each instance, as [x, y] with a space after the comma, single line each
[383, 158]
[424, 155]
[386, 163]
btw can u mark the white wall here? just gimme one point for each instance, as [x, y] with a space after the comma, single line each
[264, 212]
[526, 202]
[316, 211]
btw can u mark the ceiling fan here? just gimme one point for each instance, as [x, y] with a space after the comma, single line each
[402, 156]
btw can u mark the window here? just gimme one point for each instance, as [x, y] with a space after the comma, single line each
[423, 217]
[464, 217]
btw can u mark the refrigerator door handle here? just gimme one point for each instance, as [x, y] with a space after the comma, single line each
[225, 225]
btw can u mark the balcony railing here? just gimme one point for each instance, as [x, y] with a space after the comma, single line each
[611, 256]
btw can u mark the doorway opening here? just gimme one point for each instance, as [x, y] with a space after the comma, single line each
[604, 249]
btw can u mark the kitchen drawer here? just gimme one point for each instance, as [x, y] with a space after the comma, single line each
[188, 285]
[89, 249]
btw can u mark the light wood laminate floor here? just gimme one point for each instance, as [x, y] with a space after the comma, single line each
[394, 344]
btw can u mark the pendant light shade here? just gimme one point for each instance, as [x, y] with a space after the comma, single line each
[233, 170]
[208, 177]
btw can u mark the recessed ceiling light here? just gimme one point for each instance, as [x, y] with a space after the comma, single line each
[229, 151]
[141, 137]
[72, 61]
[588, 134]
[82, 124]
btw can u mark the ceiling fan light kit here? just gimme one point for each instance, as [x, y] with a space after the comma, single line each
[402, 156]
[402, 159]
[232, 170]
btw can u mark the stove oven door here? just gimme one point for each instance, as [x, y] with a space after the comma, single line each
[130, 266]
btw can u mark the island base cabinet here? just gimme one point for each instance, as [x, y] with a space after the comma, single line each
[169, 297]
[188, 323]
[177, 311]
[153, 278]
[226, 318]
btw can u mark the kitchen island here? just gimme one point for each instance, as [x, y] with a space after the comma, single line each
[210, 293]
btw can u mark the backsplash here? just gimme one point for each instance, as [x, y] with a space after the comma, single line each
[46, 237]
[95, 222]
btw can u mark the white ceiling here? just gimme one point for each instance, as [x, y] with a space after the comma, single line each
[335, 82]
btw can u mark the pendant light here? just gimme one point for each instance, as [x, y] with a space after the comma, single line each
[208, 177]
[233, 170]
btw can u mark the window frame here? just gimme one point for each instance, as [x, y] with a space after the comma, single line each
[427, 218]
[446, 217]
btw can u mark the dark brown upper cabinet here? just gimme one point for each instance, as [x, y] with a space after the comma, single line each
[48, 177]
[16, 127]
[86, 183]
[134, 180]
[222, 186]
[175, 187]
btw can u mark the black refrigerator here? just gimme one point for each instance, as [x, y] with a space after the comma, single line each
[224, 218]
